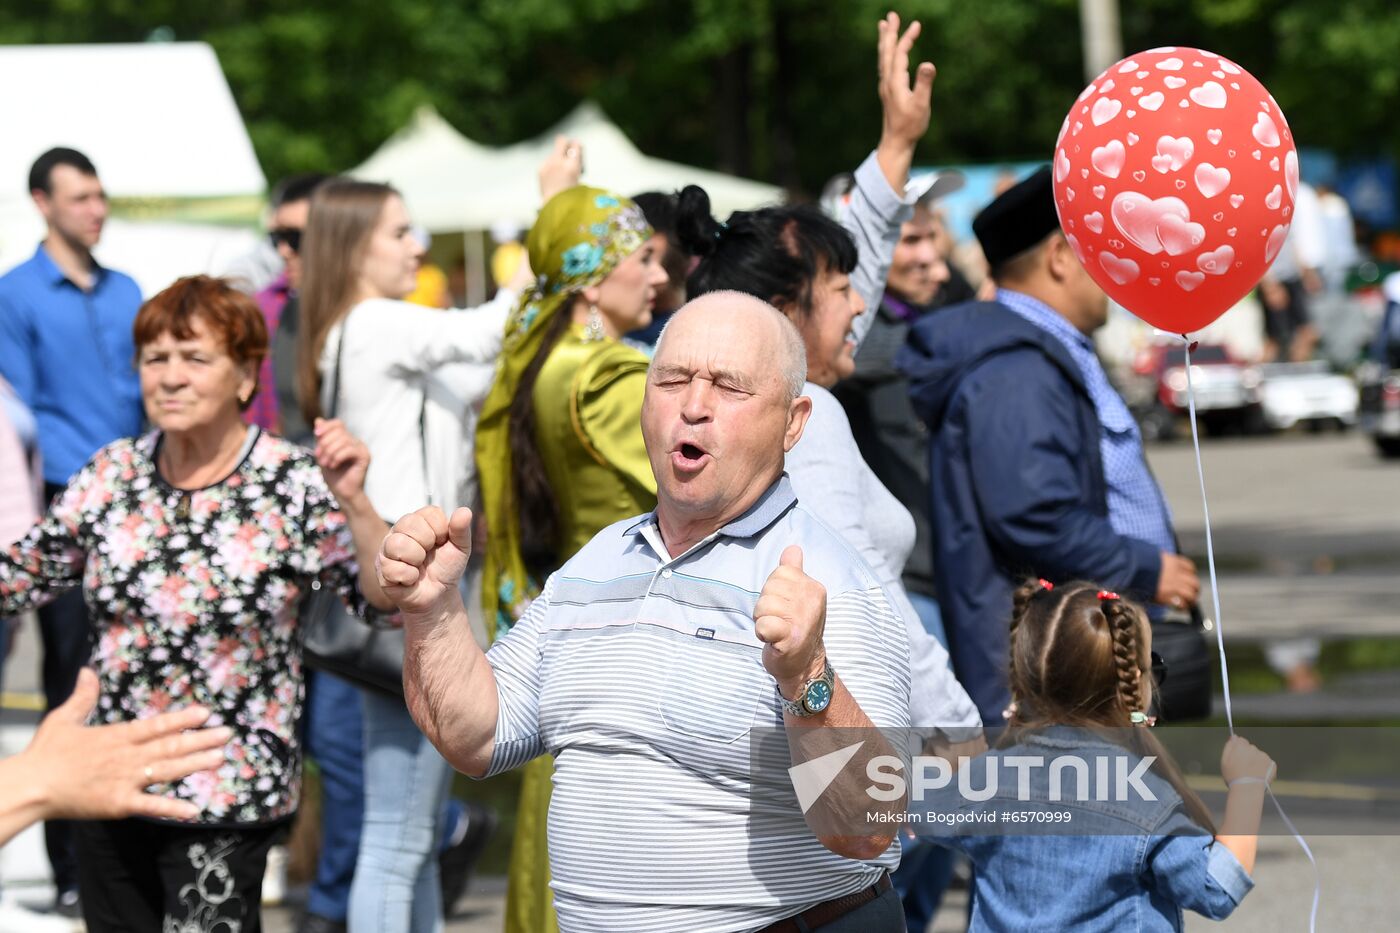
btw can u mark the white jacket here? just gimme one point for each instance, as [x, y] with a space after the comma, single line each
[401, 363]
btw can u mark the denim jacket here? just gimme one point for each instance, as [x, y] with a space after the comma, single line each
[1099, 865]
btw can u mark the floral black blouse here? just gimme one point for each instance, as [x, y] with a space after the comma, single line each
[193, 597]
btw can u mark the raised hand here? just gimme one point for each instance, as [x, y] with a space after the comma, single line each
[906, 107]
[562, 168]
[789, 618]
[422, 559]
[343, 458]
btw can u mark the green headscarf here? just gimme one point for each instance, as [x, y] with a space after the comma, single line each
[580, 236]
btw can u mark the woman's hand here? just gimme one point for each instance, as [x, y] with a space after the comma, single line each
[102, 772]
[906, 108]
[562, 168]
[343, 458]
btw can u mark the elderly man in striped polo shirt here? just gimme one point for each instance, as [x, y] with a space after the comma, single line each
[653, 654]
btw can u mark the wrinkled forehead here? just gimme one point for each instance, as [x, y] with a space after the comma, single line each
[742, 346]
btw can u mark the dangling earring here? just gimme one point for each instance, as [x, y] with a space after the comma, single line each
[593, 330]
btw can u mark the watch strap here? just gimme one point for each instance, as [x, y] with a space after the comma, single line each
[798, 707]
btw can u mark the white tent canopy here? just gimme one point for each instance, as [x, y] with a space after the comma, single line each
[432, 165]
[453, 184]
[158, 121]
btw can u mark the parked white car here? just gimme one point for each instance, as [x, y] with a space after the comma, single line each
[1306, 393]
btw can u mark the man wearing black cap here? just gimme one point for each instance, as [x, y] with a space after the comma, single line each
[1036, 466]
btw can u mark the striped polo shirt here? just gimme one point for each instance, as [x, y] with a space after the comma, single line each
[642, 675]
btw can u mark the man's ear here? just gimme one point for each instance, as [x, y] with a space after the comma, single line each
[1060, 260]
[41, 201]
[798, 412]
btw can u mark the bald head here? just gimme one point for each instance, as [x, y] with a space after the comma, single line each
[722, 409]
[726, 315]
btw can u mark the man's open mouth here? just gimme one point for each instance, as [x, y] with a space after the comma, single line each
[688, 456]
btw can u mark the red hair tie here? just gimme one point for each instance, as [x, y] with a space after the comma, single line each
[1106, 595]
[1046, 584]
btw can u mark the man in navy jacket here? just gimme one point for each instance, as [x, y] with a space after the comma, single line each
[1036, 466]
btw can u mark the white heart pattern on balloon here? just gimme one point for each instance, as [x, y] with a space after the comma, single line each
[1210, 94]
[1155, 226]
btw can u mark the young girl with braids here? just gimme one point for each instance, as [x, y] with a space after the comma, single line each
[1081, 675]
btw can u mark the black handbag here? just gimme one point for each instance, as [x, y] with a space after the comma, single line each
[367, 652]
[1188, 688]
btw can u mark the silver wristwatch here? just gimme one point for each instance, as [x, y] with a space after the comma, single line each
[815, 695]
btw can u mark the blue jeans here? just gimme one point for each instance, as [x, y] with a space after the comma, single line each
[396, 886]
[335, 738]
[930, 615]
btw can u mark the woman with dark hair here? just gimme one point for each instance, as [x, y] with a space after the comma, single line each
[194, 546]
[406, 379]
[560, 444]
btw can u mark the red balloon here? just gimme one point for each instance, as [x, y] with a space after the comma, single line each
[1175, 175]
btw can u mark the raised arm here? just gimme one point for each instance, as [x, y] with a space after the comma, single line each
[877, 209]
[450, 687]
[344, 461]
[790, 619]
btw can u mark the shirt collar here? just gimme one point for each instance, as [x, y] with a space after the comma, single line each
[1045, 317]
[771, 505]
[898, 308]
[55, 276]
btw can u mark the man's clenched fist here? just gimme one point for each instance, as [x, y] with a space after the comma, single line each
[422, 559]
[789, 619]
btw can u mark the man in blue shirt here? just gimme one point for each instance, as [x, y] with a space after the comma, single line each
[1036, 466]
[66, 347]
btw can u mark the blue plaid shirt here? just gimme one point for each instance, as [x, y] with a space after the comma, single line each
[1136, 508]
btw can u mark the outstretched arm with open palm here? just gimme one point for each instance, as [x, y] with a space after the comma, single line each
[449, 686]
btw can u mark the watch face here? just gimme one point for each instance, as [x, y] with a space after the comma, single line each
[818, 696]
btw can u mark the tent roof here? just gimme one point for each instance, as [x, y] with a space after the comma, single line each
[451, 183]
[433, 166]
[157, 119]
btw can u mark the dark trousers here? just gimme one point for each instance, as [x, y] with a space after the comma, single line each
[335, 739]
[138, 876]
[921, 879]
[66, 635]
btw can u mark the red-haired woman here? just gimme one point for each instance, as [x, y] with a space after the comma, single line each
[193, 546]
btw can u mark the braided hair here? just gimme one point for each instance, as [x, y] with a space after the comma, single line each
[1078, 656]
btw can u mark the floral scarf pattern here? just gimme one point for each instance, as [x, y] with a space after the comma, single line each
[579, 238]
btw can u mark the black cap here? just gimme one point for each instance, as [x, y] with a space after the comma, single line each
[1019, 219]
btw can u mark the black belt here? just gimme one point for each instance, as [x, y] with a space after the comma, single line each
[819, 915]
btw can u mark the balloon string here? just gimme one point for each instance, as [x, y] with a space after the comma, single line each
[1220, 628]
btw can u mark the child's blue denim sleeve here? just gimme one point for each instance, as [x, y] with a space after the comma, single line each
[1187, 866]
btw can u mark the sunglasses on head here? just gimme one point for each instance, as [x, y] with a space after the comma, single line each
[288, 235]
[1159, 669]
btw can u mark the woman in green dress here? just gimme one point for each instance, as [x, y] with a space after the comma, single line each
[558, 448]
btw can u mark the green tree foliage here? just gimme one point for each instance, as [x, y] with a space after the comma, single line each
[777, 89]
